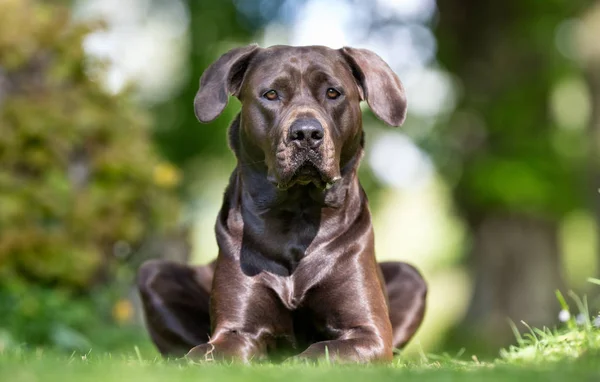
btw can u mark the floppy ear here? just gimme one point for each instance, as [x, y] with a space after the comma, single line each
[380, 86]
[222, 78]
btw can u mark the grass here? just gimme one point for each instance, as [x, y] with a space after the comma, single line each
[571, 353]
[106, 368]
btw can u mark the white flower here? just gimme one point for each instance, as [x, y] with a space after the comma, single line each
[564, 315]
[580, 319]
[597, 321]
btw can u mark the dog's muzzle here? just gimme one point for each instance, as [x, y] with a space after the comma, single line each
[302, 158]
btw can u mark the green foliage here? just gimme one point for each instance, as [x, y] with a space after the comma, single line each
[32, 315]
[77, 171]
[215, 28]
[579, 337]
[506, 152]
[80, 184]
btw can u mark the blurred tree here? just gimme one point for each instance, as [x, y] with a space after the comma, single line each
[80, 185]
[589, 54]
[516, 173]
[215, 27]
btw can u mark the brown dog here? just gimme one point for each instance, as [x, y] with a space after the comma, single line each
[296, 271]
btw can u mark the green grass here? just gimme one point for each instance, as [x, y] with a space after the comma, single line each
[572, 354]
[569, 354]
[106, 368]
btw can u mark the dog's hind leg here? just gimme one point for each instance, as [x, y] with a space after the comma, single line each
[406, 292]
[175, 299]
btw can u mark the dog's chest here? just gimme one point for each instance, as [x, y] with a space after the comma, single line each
[290, 289]
[288, 235]
[289, 269]
[277, 245]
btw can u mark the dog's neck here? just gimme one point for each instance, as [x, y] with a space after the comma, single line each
[295, 220]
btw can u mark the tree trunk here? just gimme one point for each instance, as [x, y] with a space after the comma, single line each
[590, 56]
[515, 261]
[593, 81]
[507, 73]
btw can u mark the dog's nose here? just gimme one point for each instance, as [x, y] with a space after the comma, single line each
[307, 132]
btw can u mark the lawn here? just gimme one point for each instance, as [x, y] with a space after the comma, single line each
[572, 354]
[122, 368]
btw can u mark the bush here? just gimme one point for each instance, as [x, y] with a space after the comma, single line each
[80, 183]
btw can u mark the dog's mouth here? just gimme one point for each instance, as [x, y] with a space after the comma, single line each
[304, 175]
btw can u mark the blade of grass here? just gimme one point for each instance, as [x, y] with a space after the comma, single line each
[582, 306]
[594, 280]
[516, 332]
[138, 354]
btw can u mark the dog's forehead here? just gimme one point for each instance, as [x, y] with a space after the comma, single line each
[274, 60]
[294, 53]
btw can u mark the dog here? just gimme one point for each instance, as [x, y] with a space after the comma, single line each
[296, 272]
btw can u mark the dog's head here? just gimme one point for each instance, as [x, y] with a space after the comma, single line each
[301, 106]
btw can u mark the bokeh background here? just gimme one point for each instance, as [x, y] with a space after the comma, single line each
[491, 187]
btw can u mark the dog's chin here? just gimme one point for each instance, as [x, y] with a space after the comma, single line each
[304, 175]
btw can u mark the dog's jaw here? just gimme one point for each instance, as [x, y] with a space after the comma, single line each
[292, 167]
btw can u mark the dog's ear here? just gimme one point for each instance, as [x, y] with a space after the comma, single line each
[222, 78]
[379, 85]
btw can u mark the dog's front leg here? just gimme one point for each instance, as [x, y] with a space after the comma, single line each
[246, 316]
[352, 308]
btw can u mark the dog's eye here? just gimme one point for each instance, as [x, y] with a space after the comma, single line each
[271, 95]
[332, 93]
